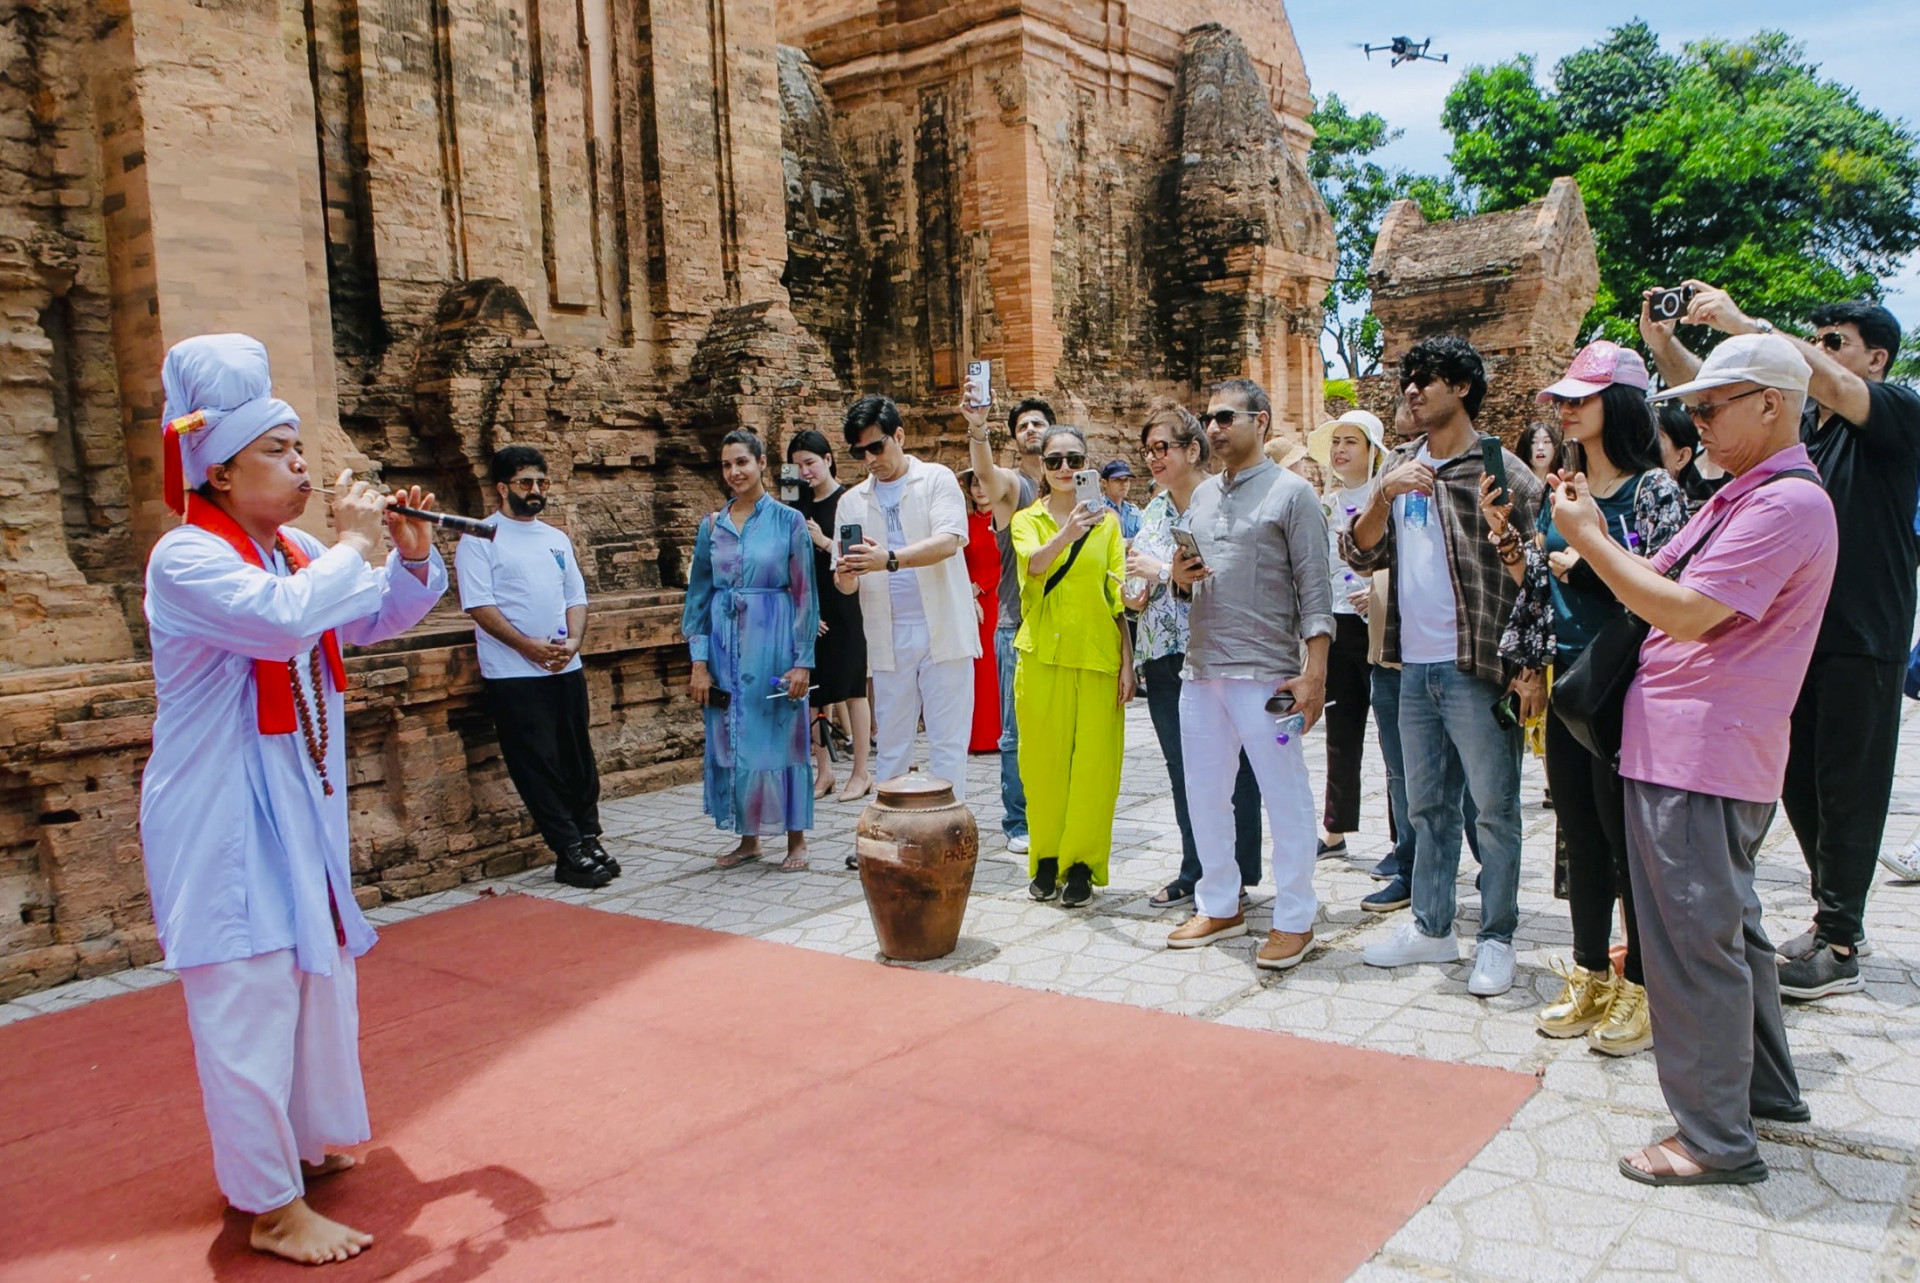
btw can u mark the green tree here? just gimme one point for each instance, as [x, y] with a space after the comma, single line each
[1357, 192]
[1906, 366]
[1733, 162]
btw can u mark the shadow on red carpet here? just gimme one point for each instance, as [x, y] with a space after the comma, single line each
[561, 1093]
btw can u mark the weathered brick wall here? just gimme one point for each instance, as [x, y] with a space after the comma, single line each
[1515, 284]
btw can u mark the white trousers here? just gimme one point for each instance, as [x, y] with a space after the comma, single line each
[278, 1052]
[1218, 718]
[941, 693]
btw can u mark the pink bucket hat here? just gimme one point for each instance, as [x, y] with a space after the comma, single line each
[1600, 365]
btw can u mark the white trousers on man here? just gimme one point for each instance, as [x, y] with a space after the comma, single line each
[1218, 717]
[919, 688]
[278, 1051]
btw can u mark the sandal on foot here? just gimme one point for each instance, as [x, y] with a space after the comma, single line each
[796, 862]
[1171, 896]
[733, 860]
[1660, 1155]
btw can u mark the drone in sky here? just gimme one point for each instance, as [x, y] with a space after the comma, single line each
[1406, 49]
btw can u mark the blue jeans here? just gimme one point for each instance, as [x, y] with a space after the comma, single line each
[1448, 738]
[1013, 797]
[1163, 705]
[1386, 721]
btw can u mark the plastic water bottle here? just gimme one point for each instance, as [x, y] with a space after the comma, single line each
[559, 637]
[1289, 726]
[1416, 509]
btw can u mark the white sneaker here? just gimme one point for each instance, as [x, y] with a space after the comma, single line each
[1904, 863]
[1492, 969]
[1407, 946]
[1018, 845]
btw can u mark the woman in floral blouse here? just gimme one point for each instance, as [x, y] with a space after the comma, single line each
[1609, 427]
[1176, 451]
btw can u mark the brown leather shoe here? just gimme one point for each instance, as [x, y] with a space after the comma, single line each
[1200, 929]
[1284, 949]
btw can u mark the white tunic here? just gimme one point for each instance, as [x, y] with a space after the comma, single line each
[242, 846]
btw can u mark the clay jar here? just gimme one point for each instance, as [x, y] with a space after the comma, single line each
[917, 848]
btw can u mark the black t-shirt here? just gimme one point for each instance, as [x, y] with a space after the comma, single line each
[1873, 477]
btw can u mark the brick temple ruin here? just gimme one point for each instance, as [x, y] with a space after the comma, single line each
[614, 229]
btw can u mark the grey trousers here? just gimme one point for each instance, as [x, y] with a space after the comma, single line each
[1719, 1043]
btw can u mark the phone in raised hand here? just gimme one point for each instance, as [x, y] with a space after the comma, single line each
[1086, 487]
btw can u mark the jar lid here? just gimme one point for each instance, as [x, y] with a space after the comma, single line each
[915, 791]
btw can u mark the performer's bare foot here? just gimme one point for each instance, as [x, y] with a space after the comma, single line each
[331, 1165]
[301, 1234]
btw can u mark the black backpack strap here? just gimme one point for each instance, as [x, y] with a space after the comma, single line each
[1798, 474]
[1073, 555]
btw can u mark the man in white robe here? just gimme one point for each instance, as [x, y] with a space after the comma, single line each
[243, 808]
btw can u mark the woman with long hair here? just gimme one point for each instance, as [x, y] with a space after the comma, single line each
[840, 654]
[983, 572]
[1681, 454]
[1350, 449]
[1609, 430]
[1539, 445]
[1075, 676]
[1177, 454]
[750, 620]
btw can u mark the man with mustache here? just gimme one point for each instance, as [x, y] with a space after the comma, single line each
[529, 604]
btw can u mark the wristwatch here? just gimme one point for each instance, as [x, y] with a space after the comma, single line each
[1762, 327]
[893, 561]
[1166, 571]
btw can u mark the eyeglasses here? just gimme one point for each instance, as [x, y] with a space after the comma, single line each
[1160, 449]
[1076, 460]
[527, 485]
[872, 449]
[1832, 340]
[1705, 414]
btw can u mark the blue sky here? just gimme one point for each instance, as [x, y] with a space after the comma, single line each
[1872, 49]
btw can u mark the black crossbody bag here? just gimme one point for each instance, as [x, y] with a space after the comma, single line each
[1590, 696]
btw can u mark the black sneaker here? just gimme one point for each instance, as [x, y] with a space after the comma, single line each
[1805, 943]
[1323, 851]
[601, 855]
[576, 867]
[1079, 888]
[1394, 895]
[1046, 881]
[1820, 974]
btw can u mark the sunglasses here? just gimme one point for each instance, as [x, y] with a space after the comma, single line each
[1224, 418]
[527, 485]
[1575, 402]
[1705, 414]
[1832, 340]
[1054, 462]
[872, 449]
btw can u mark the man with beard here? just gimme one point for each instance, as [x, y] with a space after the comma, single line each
[529, 602]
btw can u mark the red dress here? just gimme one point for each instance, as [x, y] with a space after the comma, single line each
[983, 568]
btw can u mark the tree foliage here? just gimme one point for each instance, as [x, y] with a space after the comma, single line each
[1733, 162]
[1357, 191]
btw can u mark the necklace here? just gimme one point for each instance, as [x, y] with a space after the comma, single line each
[304, 712]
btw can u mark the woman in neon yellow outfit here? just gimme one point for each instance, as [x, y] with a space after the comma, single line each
[1074, 678]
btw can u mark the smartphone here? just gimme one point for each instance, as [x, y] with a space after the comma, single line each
[717, 698]
[1086, 487]
[979, 383]
[1670, 305]
[1506, 711]
[1494, 460]
[1281, 702]
[850, 537]
[1183, 539]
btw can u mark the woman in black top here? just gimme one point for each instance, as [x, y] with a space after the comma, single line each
[840, 656]
[1680, 453]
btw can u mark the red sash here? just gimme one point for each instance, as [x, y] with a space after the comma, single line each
[271, 678]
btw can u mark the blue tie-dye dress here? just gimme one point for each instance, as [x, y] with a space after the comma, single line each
[752, 613]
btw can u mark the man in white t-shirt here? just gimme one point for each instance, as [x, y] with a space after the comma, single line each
[529, 606]
[915, 599]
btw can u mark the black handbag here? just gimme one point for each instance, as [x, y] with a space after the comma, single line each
[1589, 697]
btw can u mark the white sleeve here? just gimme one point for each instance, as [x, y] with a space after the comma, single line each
[576, 586]
[198, 587]
[946, 506]
[473, 559]
[404, 601]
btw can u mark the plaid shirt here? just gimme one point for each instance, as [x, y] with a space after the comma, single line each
[1482, 589]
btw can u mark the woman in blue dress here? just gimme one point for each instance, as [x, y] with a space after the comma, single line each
[750, 619]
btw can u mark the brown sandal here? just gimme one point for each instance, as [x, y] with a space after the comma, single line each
[1660, 1157]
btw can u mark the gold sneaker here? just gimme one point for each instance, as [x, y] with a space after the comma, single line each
[1583, 1003]
[1627, 1028]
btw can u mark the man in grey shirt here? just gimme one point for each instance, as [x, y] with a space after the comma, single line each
[1009, 490]
[1262, 604]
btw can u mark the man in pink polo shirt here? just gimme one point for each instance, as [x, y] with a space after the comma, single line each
[1704, 751]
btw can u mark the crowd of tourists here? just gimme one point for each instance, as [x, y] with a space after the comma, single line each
[1696, 601]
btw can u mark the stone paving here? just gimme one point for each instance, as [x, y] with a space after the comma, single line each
[1542, 1202]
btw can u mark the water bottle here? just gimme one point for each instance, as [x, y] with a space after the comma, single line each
[1416, 509]
[559, 637]
[1289, 726]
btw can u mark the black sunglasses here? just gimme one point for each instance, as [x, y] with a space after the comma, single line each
[1705, 413]
[1832, 340]
[1074, 460]
[872, 449]
[1224, 418]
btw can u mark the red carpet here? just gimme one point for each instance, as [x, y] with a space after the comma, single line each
[560, 1093]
